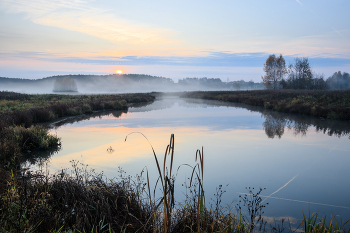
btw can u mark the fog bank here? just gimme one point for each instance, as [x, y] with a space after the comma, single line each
[119, 83]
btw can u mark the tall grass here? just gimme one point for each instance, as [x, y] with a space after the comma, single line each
[325, 104]
[313, 223]
[30, 109]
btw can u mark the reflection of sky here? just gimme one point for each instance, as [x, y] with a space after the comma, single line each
[182, 117]
[236, 149]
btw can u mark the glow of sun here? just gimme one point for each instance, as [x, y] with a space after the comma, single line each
[119, 71]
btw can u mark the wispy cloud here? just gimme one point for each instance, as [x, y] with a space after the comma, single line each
[209, 59]
[79, 16]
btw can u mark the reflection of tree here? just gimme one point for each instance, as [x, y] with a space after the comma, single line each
[274, 126]
[298, 123]
[118, 114]
[300, 128]
[276, 122]
[40, 156]
[71, 120]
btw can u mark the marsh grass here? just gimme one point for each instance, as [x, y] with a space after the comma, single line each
[322, 104]
[313, 223]
[22, 109]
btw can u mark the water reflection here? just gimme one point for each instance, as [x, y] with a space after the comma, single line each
[71, 120]
[40, 157]
[274, 125]
[276, 122]
[237, 142]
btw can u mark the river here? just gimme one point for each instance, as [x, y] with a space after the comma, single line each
[303, 162]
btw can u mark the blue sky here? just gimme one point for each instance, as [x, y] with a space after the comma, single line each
[176, 39]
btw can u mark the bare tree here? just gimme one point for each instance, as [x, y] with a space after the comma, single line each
[275, 69]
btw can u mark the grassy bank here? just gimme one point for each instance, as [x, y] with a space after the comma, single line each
[324, 104]
[25, 110]
[20, 112]
[23, 196]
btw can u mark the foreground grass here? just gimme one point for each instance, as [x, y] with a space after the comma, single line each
[325, 104]
[79, 200]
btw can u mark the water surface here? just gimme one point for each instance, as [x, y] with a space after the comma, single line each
[303, 162]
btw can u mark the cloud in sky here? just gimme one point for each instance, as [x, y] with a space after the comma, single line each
[212, 59]
[77, 15]
[171, 36]
[222, 65]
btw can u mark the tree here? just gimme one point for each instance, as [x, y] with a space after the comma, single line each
[236, 85]
[300, 74]
[339, 81]
[275, 69]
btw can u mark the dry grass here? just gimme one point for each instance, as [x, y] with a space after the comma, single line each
[325, 104]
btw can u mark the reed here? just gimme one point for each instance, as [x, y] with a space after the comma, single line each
[318, 225]
[167, 184]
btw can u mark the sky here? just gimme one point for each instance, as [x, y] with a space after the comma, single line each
[227, 39]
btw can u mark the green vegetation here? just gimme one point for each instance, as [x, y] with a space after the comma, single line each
[324, 104]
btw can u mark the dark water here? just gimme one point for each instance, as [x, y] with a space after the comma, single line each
[303, 162]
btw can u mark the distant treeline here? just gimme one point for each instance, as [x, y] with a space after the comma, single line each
[121, 83]
[339, 81]
[296, 76]
[218, 83]
[300, 76]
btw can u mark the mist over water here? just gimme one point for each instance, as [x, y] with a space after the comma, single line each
[126, 83]
[301, 161]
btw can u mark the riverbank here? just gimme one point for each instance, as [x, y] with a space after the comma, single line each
[21, 136]
[25, 110]
[20, 114]
[321, 104]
